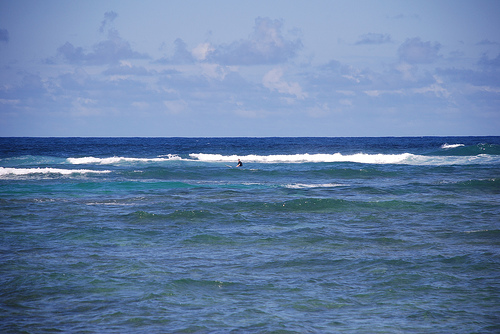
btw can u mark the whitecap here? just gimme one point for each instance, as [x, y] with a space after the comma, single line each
[313, 185]
[381, 159]
[448, 146]
[115, 160]
[301, 158]
[26, 171]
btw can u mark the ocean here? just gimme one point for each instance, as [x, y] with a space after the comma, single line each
[310, 235]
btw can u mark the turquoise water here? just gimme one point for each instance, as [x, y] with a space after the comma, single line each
[311, 235]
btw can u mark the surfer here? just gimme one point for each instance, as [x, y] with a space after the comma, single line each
[240, 164]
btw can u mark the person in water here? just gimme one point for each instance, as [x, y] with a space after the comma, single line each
[240, 164]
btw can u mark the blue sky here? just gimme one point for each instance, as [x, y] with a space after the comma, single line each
[249, 68]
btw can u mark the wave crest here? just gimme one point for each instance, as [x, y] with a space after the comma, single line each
[26, 171]
[381, 159]
[115, 160]
[313, 185]
[437, 158]
[448, 146]
[301, 158]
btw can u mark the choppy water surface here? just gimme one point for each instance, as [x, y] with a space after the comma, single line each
[317, 235]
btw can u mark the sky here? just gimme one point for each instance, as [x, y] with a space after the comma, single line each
[272, 68]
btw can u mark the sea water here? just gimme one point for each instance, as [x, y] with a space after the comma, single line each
[311, 235]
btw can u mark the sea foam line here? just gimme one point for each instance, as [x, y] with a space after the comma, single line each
[448, 146]
[27, 171]
[114, 160]
[301, 158]
[312, 185]
[403, 159]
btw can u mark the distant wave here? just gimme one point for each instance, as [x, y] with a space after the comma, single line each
[301, 158]
[468, 150]
[403, 158]
[114, 160]
[295, 158]
[312, 185]
[26, 171]
[447, 146]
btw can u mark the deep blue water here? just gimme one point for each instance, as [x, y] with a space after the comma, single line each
[311, 235]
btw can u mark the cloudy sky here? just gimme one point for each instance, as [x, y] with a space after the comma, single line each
[249, 68]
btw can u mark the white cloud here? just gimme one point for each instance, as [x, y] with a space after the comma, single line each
[434, 88]
[85, 107]
[487, 89]
[110, 51]
[352, 78]
[126, 69]
[9, 102]
[407, 70]
[376, 93]
[109, 17]
[213, 71]
[372, 38]
[273, 81]
[345, 102]
[113, 75]
[414, 51]
[352, 74]
[201, 51]
[266, 45]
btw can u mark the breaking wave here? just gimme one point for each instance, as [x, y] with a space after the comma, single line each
[27, 171]
[301, 158]
[448, 146]
[313, 185]
[115, 160]
[403, 158]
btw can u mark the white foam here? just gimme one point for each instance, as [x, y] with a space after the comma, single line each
[448, 146]
[312, 185]
[402, 159]
[115, 160]
[301, 158]
[26, 171]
